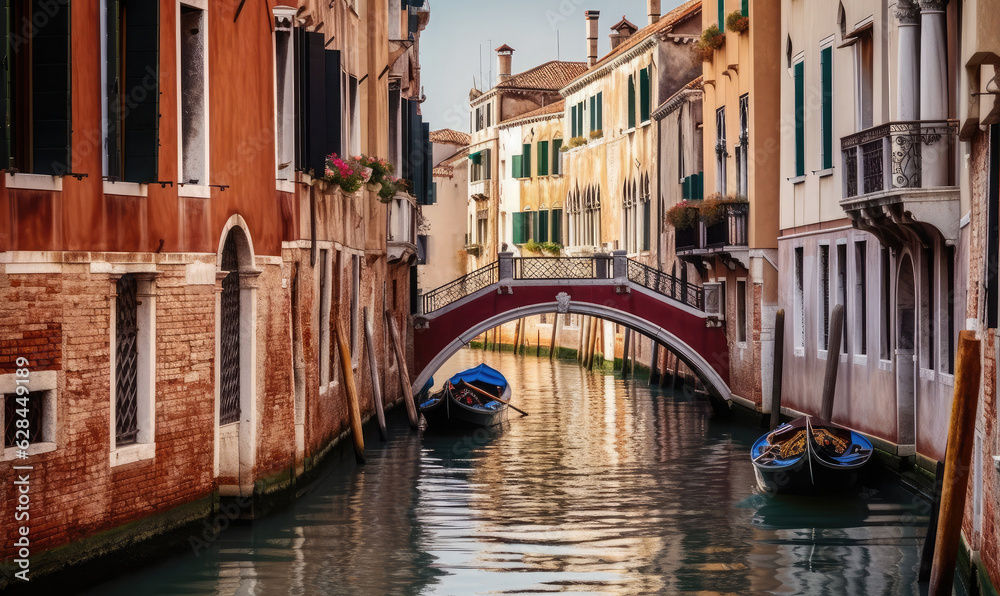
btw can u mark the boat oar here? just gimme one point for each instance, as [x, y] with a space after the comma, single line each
[494, 397]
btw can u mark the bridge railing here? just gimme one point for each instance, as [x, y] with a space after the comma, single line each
[461, 287]
[666, 284]
[600, 266]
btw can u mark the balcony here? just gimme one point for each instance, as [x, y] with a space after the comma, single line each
[401, 238]
[725, 238]
[902, 175]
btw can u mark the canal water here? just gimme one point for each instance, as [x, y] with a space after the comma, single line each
[607, 487]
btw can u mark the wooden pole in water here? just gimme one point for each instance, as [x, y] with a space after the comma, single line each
[538, 342]
[404, 375]
[957, 463]
[517, 334]
[664, 375]
[582, 334]
[927, 554]
[353, 407]
[373, 369]
[552, 340]
[598, 329]
[625, 347]
[654, 364]
[832, 362]
[779, 355]
[673, 378]
[486, 338]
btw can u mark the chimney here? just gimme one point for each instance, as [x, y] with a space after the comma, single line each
[653, 7]
[504, 57]
[622, 31]
[592, 16]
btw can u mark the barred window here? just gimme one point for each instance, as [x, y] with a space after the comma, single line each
[126, 361]
[30, 407]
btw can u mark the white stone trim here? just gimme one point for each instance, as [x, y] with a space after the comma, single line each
[33, 182]
[125, 189]
[46, 382]
[194, 191]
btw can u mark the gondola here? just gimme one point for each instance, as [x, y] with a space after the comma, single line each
[808, 455]
[471, 399]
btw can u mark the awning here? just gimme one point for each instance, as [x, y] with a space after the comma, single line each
[477, 158]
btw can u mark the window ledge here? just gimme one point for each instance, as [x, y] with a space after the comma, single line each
[126, 189]
[800, 352]
[285, 186]
[644, 123]
[927, 374]
[946, 379]
[10, 453]
[34, 182]
[824, 172]
[132, 453]
[822, 354]
[194, 191]
[861, 359]
[797, 179]
[885, 365]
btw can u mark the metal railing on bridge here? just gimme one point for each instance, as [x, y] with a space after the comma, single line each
[600, 266]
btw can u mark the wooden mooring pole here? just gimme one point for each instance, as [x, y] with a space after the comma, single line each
[654, 364]
[353, 406]
[517, 335]
[581, 333]
[779, 352]
[625, 351]
[373, 370]
[404, 375]
[957, 463]
[832, 362]
[552, 340]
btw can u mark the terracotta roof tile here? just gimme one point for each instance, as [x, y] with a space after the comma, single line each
[553, 108]
[504, 48]
[666, 21]
[551, 76]
[448, 136]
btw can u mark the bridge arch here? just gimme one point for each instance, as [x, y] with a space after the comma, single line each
[687, 354]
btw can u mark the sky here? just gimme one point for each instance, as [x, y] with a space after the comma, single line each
[450, 46]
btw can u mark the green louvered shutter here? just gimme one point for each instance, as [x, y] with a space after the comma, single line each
[745, 8]
[686, 188]
[579, 117]
[543, 158]
[826, 70]
[572, 113]
[556, 146]
[4, 87]
[526, 162]
[644, 95]
[646, 214]
[543, 226]
[50, 87]
[557, 226]
[722, 15]
[800, 141]
[600, 111]
[518, 228]
[515, 166]
[593, 112]
[631, 101]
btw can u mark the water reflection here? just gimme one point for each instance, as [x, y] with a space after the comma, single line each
[606, 487]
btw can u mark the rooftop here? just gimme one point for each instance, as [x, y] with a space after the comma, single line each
[551, 76]
[447, 136]
[555, 108]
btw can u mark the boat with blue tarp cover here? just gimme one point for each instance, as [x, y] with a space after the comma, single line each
[472, 398]
[809, 455]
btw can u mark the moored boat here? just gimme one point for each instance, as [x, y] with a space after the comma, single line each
[473, 398]
[809, 455]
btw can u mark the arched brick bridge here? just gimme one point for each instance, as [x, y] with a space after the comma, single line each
[611, 287]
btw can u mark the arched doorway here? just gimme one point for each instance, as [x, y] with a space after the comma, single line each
[236, 358]
[906, 366]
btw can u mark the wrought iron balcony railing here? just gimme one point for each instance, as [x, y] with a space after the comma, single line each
[899, 156]
[731, 230]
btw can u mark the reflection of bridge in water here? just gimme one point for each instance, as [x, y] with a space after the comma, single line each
[611, 287]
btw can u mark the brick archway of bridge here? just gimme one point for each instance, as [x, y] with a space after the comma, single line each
[618, 290]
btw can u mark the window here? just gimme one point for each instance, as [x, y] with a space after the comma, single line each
[557, 226]
[720, 151]
[800, 114]
[27, 413]
[949, 346]
[543, 158]
[489, 115]
[824, 273]
[354, 139]
[861, 296]
[579, 118]
[193, 95]
[132, 375]
[526, 161]
[35, 117]
[645, 93]
[599, 109]
[742, 150]
[521, 227]
[516, 166]
[826, 84]
[644, 200]
[482, 220]
[572, 122]
[132, 90]
[745, 8]
[885, 326]
[319, 102]
[542, 225]
[23, 416]
[800, 331]
[929, 312]
[480, 164]
[556, 146]
[842, 291]
[325, 298]
[863, 53]
[722, 15]
[741, 310]
[284, 120]
[593, 113]
[631, 101]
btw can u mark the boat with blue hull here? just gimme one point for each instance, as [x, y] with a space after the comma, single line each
[809, 455]
[473, 398]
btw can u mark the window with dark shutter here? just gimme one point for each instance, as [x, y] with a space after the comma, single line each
[572, 115]
[519, 228]
[543, 226]
[600, 111]
[579, 118]
[644, 95]
[593, 112]
[334, 105]
[133, 94]
[36, 77]
[800, 141]
[556, 146]
[826, 71]
[543, 158]
[631, 101]
[515, 166]
[557, 226]
[526, 161]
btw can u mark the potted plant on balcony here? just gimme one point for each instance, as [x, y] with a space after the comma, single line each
[711, 39]
[552, 248]
[380, 170]
[737, 23]
[390, 186]
[349, 174]
[683, 216]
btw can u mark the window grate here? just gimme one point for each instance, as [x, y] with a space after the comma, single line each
[12, 410]
[229, 390]
[126, 361]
